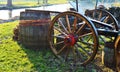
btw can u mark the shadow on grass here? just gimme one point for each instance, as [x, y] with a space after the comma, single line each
[43, 60]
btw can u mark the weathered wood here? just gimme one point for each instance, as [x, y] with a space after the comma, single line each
[29, 10]
[33, 28]
[117, 53]
[107, 32]
[109, 55]
[102, 23]
[16, 33]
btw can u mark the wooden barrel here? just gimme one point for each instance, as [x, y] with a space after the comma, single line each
[33, 29]
[109, 55]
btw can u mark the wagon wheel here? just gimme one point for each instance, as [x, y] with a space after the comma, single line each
[117, 53]
[73, 38]
[105, 17]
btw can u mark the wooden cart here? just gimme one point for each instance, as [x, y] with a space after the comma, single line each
[74, 36]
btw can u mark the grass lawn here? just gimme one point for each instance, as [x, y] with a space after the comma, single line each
[116, 4]
[15, 57]
[33, 2]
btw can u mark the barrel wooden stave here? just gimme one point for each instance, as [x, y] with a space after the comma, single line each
[117, 53]
[109, 55]
[33, 28]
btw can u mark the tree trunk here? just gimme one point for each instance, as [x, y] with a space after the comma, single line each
[45, 2]
[38, 2]
[9, 3]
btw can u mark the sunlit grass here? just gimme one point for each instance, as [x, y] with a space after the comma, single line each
[116, 4]
[26, 4]
[57, 2]
[34, 3]
[16, 58]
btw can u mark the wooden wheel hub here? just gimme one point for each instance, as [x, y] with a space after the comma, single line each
[70, 40]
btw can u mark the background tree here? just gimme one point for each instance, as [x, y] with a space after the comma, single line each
[38, 1]
[45, 2]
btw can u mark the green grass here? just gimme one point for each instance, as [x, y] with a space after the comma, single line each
[14, 57]
[25, 4]
[116, 4]
[34, 2]
[57, 2]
